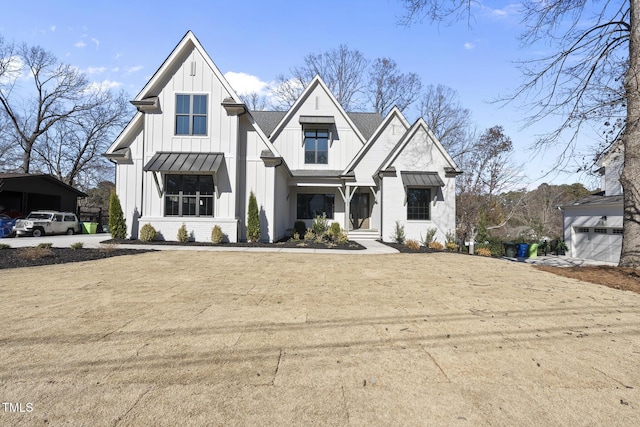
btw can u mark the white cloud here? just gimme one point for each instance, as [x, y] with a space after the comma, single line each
[134, 69]
[244, 83]
[96, 42]
[52, 28]
[103, 85]
[13, 71]
[80, 44]
[509, 11]
[95, 70]
[469, 45]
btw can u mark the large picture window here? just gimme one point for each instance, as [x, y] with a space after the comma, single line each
[191, 114]
[316, 146]
[188, 195]
[313, 205]
[418, 200]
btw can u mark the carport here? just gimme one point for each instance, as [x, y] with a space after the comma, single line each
[21, 193]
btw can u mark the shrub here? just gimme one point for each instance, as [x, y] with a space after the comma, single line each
[36, 252]
[429, 237]
[436, 246]
[342, 238]
[300, 227]
[148, 233]
[296, 235]
[414, 245]
[483, 252]
[77, 245]
[320, 225]
[216, 234]
[451, 247]
[253, 220]
[117, 224]
[308, 235]
[183, 234]
[5, 246]
[398, 235]
[450, 237]
[45, 245]
[334, 231]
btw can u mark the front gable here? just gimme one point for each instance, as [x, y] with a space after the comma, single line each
[367, 162]
[317, 116]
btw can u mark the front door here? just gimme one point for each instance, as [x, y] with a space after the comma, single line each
[359, 211]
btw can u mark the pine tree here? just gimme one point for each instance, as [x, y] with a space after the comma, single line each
[253, 222]
[117, 224]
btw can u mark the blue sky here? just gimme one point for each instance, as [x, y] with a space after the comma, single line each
[121, 44]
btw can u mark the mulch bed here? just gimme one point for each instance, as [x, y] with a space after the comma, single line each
[293, 244]
[33, 256]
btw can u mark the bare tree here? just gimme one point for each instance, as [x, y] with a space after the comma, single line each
[254, 101]
[342, 69]
[448, 119]
[388, 87]
[594, 76]
[71, 149]
[58, 92]
[489, 171]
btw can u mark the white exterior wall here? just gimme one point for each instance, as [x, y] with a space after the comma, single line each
[612, 171]
[419, 155]
[345, 143]
[378, 151]
[129, 181]
[338, 203]
[222, 137]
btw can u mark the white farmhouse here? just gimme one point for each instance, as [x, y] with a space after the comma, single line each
[193, 152]
[593, 225]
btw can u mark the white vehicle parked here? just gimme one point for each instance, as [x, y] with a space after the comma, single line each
[39, 223]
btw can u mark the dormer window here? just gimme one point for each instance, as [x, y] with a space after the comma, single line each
[191, 115]
[316, 146]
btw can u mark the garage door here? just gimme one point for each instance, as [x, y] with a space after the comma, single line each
[600, 244]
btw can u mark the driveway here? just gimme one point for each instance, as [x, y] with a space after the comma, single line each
[237, 338]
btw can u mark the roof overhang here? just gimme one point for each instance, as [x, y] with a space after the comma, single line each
[147, 105]
[317, 120]
[421, 179]
[234, 108]
[184, 162]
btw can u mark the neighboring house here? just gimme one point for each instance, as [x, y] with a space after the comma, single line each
[593, 225]
[193, 153]
[21, 193]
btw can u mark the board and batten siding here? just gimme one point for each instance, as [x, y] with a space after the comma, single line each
[345, 142]
[420, 154]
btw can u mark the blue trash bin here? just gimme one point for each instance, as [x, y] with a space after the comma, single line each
[523, 249]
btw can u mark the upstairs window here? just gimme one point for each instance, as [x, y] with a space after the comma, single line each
[316, 146]
[191, 114]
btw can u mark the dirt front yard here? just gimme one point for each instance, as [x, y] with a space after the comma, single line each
[238, 338]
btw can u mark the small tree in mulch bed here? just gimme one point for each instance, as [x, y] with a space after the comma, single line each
[253, 221]
[117, 224]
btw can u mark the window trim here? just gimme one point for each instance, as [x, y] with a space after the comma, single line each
[316, 129]
[181, 197]
[330, 215]
[409, 205]
[191, 115]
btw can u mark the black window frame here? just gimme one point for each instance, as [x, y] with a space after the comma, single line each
[418, 210]
[311, 138]
[191, 115]
[175, 201]
[304, 208]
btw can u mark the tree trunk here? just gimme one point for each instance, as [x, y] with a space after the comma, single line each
[630, 180]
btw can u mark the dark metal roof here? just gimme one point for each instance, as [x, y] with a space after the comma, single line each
[32, 180]
[366, 123]
[421, 179]
[316, 173]
[184, 162]
[596, 200]
[325, 120]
